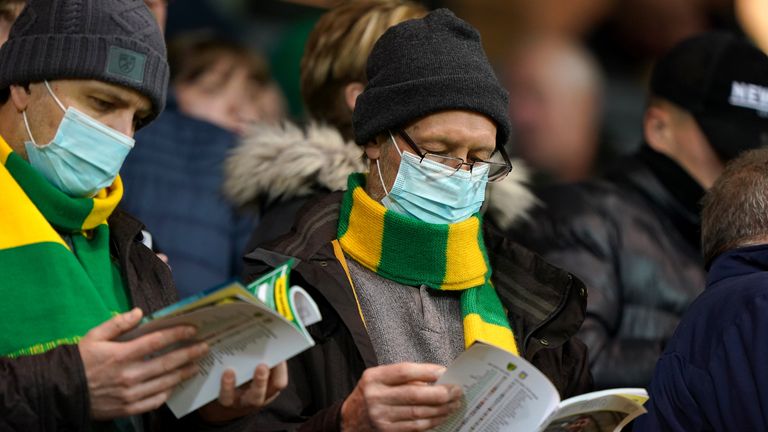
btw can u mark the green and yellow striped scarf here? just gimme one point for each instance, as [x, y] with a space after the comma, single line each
[52, 291]
[412, 252]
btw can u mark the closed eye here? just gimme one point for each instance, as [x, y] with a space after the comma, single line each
[483, 156]
[102, 105]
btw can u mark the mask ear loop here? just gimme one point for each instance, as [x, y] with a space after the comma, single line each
[381, 179]
[24, 113]
[50, 91]
[378, 167]
[394, 143]
[29, 131]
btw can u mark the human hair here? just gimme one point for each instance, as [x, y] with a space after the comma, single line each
[735, 210]
[192, 55]
[9, 9]
[337, 50]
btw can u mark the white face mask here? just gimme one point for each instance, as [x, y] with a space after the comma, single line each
[432, 192]
[84, 156]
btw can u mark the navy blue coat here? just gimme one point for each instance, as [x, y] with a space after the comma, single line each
[173, 183]
[713, 375]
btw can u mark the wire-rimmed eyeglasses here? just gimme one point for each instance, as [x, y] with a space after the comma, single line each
[498, 167]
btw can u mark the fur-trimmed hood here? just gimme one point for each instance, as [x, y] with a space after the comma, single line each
[510, 200]
[284, 162]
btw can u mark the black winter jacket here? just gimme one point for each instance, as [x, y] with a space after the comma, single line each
[633, 237]
[545, 308]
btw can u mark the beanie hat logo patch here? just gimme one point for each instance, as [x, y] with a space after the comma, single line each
[125, 63]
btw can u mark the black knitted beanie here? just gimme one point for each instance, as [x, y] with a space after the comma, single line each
[115, 41]
[423, 66]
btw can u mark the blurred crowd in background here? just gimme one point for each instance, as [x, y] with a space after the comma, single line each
[577, 70]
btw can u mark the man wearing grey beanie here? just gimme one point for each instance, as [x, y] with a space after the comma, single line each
[77, 78]
[406, 274]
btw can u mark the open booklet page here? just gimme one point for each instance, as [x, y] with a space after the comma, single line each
[504, 392]
[241, 330]
[606, 410]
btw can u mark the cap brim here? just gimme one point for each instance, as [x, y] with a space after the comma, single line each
[731, 135]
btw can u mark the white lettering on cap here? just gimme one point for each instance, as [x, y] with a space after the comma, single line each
[748, 95]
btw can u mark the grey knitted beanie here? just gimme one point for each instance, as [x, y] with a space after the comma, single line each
[423, 66]
[115, 41]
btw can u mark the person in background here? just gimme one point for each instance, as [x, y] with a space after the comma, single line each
[404, 273]
[712, 375]
[173, 179]
[9, 11]
[74, 274]
[278, 168]
[217, 81]
[555, 105]
[633, 235]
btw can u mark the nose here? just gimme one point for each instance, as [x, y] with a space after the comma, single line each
[124, 124]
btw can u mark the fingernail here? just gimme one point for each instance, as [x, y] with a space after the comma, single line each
[190, 331]
[202, 348]
[456, 391]
[262, 371]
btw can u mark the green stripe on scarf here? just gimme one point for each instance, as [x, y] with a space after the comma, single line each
[53, 290]
[69, 213]
[442, 257]
[422, 267]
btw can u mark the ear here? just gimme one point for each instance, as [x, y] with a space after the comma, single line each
[20, 97]
[657, 127]
[351, 92]
[373, 149]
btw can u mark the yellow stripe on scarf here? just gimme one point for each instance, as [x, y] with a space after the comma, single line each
[463, 256]
[491, 334]
[5, 151]
[104, 203]
[24, 223]
[363, 239]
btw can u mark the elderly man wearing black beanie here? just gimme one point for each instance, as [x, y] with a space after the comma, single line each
[77, 78]
[405, 273]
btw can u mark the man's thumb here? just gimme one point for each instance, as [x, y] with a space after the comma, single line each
[116, 326]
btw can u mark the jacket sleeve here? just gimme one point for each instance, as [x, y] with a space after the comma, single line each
[671, 406]
[585, 243]
[44, 392]
[326, 420]
[615, 361]
[580, 382]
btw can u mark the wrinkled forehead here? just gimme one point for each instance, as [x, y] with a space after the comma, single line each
[455, 127]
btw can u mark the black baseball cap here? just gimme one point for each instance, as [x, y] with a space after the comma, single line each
[722, 80]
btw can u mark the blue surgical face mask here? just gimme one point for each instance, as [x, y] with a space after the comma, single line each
[432, 192]
[84, 156]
